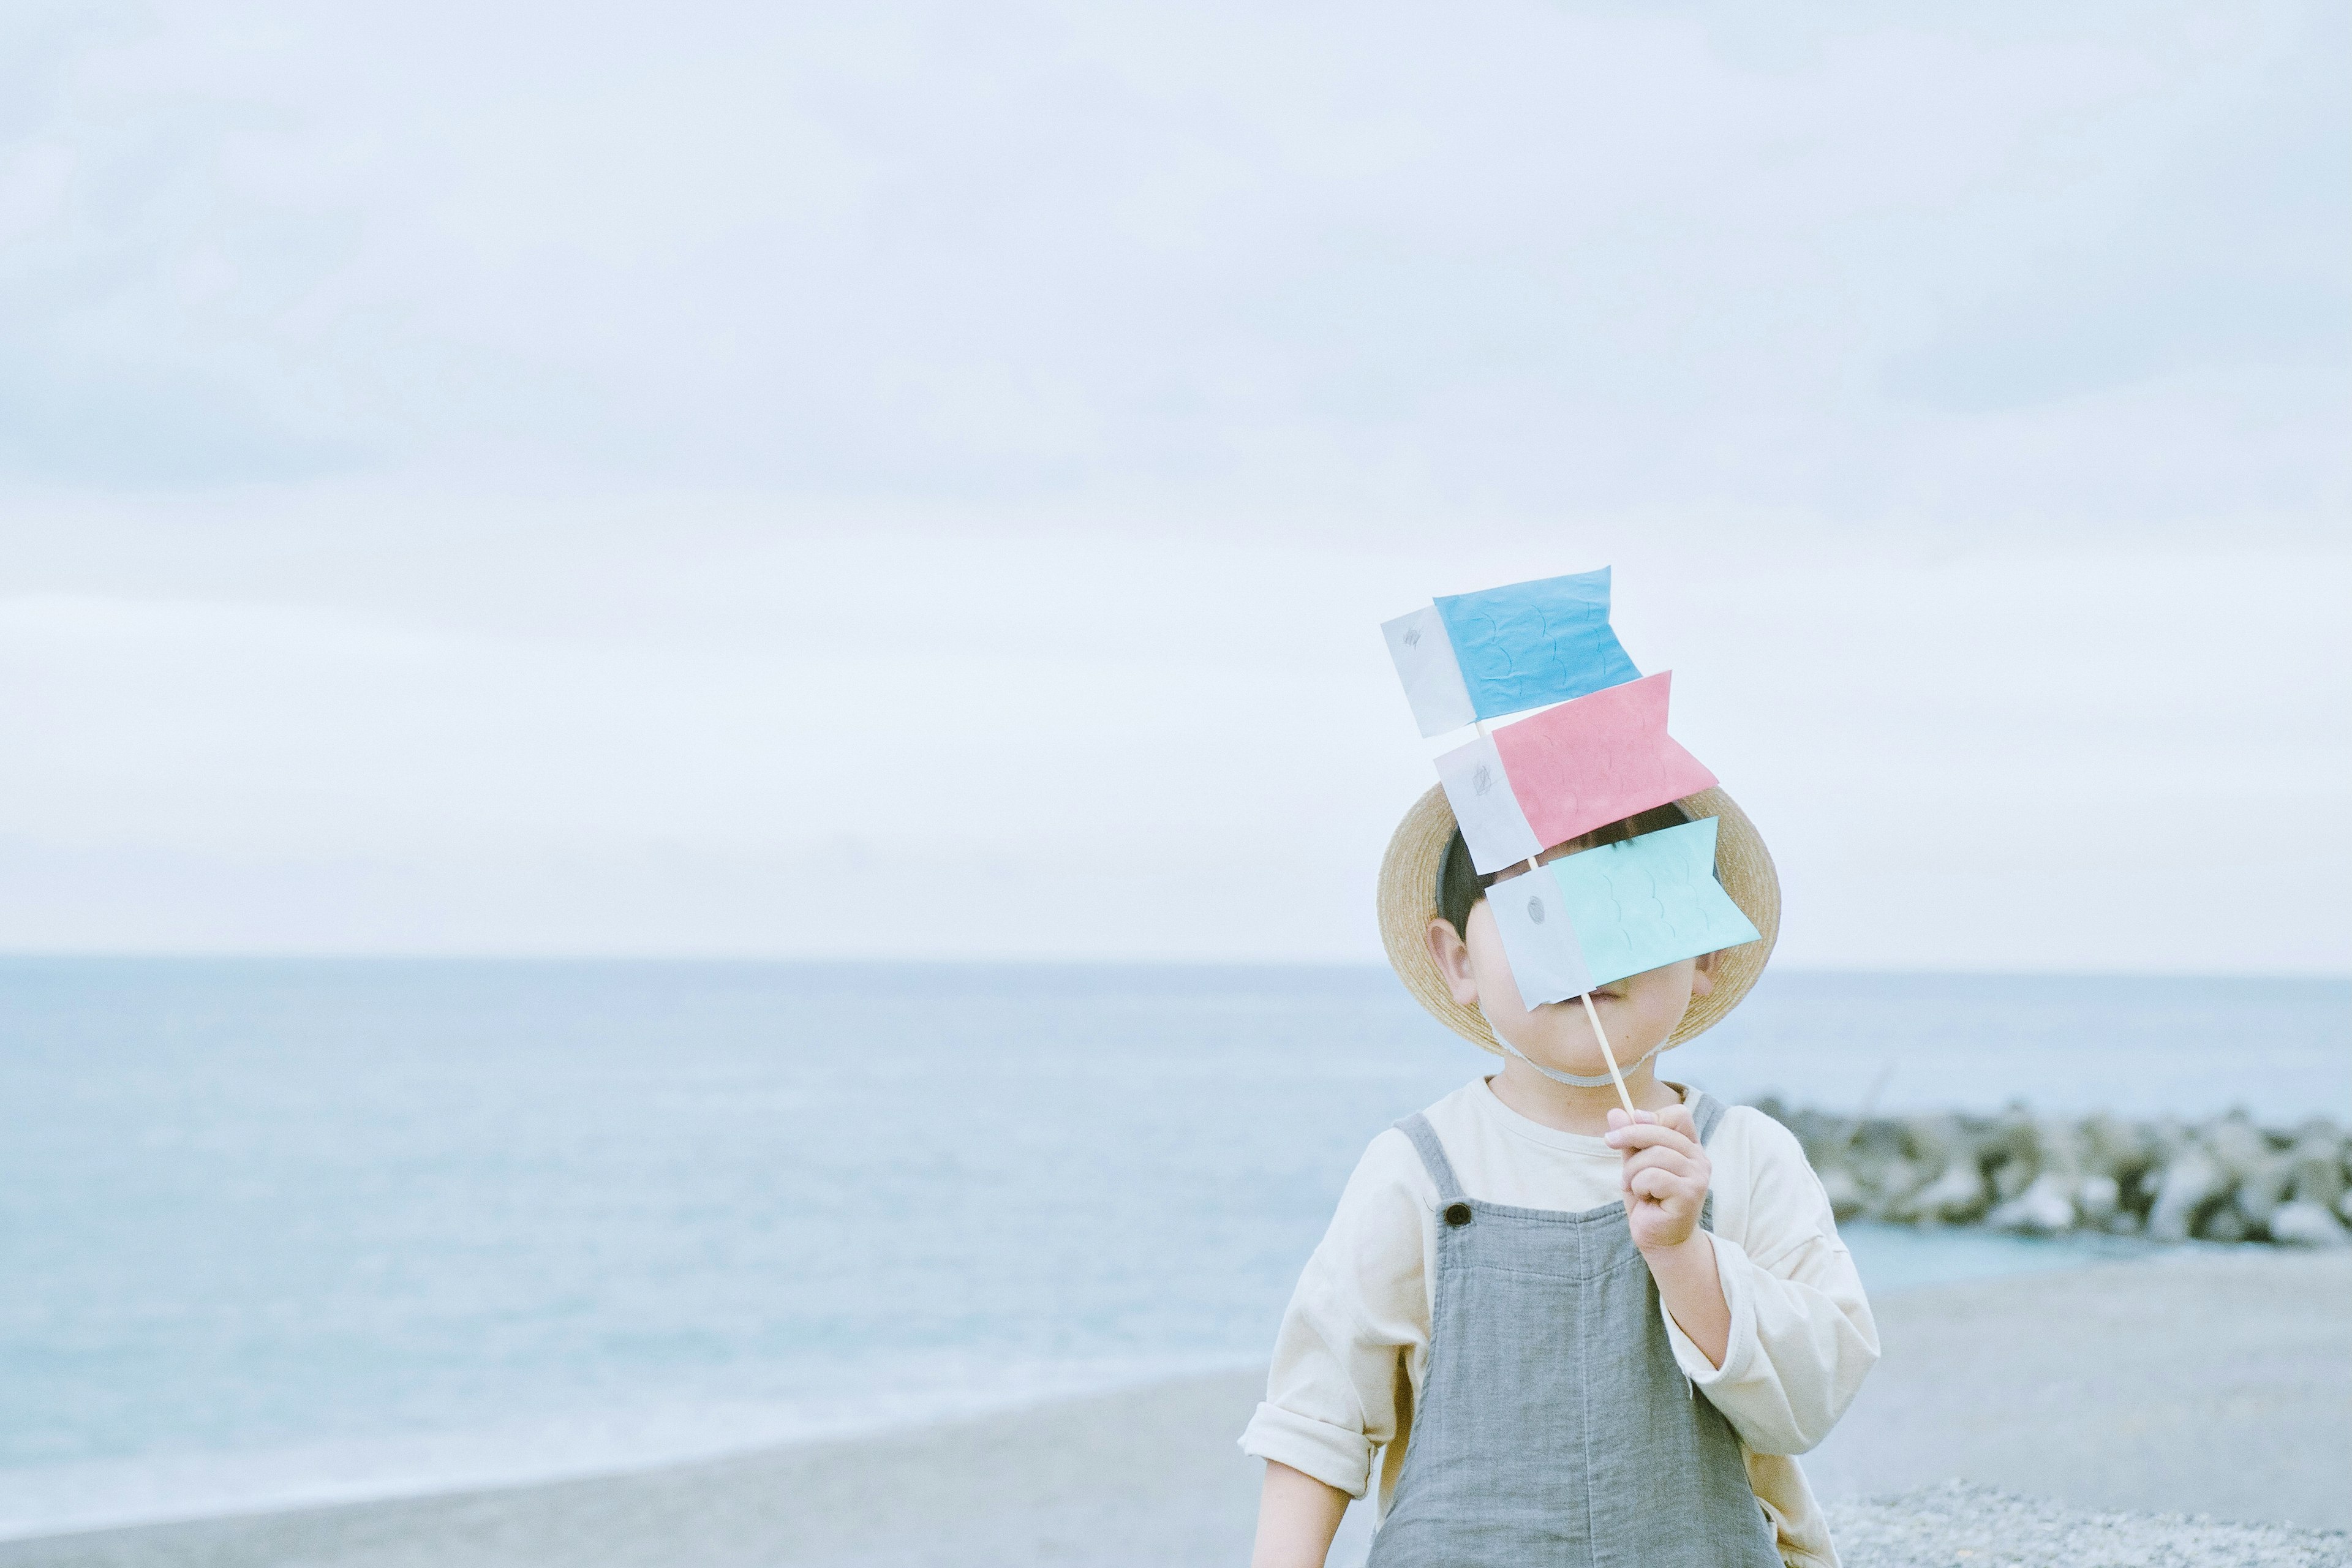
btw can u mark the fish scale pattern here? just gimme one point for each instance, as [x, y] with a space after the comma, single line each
[1648, 901]
[1597, 759]
[1531, 644]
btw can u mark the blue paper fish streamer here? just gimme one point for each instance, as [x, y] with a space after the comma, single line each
[1505, 650]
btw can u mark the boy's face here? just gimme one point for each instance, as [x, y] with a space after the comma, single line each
[1638, 1011]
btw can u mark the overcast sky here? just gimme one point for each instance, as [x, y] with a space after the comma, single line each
[919, 481]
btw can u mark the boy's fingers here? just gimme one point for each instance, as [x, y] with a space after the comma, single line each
[1655, 1185]
[1669, 1160]
[1649, 1135]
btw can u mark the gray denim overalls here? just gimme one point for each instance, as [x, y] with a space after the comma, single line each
[1554, 1426]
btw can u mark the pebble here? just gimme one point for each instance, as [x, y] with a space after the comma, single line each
[2222, 1179]
[1958, 1525]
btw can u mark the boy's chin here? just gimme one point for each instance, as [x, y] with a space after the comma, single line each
[1577, 1054]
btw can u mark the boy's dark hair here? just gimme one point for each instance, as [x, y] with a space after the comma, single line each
[1459, 885]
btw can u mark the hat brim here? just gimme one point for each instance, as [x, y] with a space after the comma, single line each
[1407, 902]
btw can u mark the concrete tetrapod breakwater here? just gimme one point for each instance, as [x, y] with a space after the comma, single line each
[2221, 1179]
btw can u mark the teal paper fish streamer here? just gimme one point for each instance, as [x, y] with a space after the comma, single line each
[1614, 910]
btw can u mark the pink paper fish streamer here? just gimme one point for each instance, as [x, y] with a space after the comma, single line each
[1567, 771]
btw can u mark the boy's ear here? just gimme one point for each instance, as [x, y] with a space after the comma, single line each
[1453, 956]
[1703, 974]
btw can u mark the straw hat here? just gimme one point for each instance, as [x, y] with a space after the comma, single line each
[1408, 900]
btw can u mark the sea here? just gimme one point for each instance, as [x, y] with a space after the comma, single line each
[276, 1233]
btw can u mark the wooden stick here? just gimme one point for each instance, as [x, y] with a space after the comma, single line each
[1593, 1013]
[1607, 1055]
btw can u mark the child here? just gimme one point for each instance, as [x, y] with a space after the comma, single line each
[1569, 1335]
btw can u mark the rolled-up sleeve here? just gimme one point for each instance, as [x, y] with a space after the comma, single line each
[1802, 1338]
[1341, 1357]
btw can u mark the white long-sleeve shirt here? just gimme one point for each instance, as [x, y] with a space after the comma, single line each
[1354, 1343]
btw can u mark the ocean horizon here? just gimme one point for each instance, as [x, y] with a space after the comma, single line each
[281, 1230]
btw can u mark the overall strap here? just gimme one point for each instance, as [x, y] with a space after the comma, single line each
[1707, 1112]
[1432, 1156]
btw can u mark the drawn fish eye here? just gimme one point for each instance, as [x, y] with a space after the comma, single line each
[1534, 911]
[1482, 780]
[1412, 638]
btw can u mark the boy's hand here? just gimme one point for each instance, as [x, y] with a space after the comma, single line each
[1664, 1177]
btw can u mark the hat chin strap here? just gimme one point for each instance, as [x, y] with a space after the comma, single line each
[1598, 1080]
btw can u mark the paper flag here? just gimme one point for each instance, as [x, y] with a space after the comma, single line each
[1597, 759]
[1505, 650]
[1547, 961]
[1649, 901]
[1425, 663]
[1569, 769]
[1631, 907]
[1485, 807]
[1528, 643]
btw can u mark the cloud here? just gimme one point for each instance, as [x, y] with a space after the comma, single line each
[158, 320]
[519, 478]
[2185, 236]
[1517, 258]
[882, 741]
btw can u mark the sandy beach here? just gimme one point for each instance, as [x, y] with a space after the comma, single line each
[2203, 1382]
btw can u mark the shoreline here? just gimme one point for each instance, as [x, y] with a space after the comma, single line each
[202, 1488]
[2196, 1383]
[788, 1428]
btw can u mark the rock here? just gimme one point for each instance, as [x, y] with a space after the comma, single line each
[2264, 1184]
[2256, 1204]
[1954, 1197]
[1889, 1185]
[2114, 1147]
[1873, 1152]
[1845, 1194]
[2044, 1208]
[2318, 1165]
[2100, 1197]
[2302, 1223]
[2225, 1179]
[1934, 1141]
[2014, 1154]
[2237, 1145]
[2192, 1185]
[1823, 1138]
[2059, 1145]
